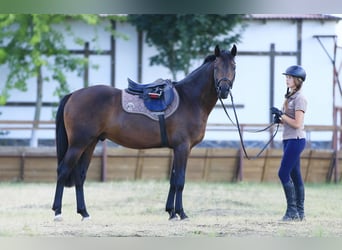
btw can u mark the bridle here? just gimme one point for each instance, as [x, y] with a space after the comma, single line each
[218, 84]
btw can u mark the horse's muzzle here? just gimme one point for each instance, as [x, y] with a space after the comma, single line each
[223, 88]
[224, 92]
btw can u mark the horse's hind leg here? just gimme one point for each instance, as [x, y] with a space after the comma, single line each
[81, 172]
[63, 173]
[81, 207]
[57, 204]
[61, 178]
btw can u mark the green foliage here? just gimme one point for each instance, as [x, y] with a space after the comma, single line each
[181, 38]
[31, 41]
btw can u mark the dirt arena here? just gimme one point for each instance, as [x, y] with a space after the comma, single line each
[137, 209]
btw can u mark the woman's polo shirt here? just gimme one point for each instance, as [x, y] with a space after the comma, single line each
[295, 103]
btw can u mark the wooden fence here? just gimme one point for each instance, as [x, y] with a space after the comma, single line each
[205, 164]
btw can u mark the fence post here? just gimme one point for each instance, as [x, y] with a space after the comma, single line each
[241, 156]
[22, 166]
[140, 164]
[272, 59]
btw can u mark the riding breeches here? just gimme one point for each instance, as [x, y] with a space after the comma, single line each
[290, 163]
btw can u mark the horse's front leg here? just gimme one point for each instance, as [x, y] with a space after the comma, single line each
[174, 203]
[179, 195]
[170, 203]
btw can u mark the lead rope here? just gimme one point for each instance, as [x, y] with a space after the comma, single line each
[256, 131]
[239, 130]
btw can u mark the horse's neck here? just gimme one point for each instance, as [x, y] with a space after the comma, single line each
[199, 86]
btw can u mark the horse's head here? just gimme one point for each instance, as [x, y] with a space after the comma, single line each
[224, 71]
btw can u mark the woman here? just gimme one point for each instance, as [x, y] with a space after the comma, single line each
[292, 118]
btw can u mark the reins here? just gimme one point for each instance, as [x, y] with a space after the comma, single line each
[239, 130]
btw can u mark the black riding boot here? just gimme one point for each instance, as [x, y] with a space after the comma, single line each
[300, 195]
[290, 194]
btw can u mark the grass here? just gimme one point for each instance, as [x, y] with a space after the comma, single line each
[137, 209]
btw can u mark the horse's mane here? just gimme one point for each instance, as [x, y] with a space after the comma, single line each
[209, 58]
[212, 58]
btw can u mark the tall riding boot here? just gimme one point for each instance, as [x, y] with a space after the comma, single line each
[290, 194]
[300, 196]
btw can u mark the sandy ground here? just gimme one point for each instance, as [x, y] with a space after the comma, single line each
[137, 209]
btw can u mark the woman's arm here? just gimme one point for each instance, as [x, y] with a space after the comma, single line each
[297, 122]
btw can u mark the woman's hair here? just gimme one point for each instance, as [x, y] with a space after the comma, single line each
[298, 82]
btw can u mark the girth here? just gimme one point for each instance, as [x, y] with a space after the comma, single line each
[157, 97]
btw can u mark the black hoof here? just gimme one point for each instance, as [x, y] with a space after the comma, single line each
[57, 211]
[83, 213]
[172, 215]
[182, 215]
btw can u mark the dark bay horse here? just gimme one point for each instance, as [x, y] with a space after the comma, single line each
[95, 113]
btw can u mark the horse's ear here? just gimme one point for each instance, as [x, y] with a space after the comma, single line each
[233, 51]
[217, 51]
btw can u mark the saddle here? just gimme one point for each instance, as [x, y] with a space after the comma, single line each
[157, 96]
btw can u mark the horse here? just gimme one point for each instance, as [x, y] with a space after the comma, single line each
[95, 113]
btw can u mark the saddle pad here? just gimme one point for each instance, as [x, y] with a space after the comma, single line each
[134, 104]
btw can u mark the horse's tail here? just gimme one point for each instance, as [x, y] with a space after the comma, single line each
[61, 135]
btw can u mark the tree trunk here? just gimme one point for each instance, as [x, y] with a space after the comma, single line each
[174, 75]
[39, 101]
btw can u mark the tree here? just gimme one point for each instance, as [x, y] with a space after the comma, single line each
[29, 43]
[181, 38]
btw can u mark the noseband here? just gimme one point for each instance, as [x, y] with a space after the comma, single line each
[218, 87]
[230, 82]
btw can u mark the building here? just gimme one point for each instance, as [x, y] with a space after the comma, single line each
[269, 44]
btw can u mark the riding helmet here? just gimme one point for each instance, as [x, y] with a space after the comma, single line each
[296, 71]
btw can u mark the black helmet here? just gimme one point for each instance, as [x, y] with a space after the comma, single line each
[296, 71]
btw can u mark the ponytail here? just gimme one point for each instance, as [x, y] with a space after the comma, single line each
[298, 82]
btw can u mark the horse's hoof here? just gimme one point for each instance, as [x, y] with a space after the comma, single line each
[172, 216]
[87, 218]
[58, 217]
[186, 218]
[183, 216]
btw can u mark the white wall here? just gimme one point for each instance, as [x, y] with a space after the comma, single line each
[251, 87]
